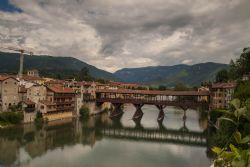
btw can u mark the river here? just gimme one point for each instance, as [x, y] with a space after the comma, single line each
[101, 142]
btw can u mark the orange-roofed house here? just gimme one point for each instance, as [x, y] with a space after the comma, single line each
[59, 104]
[222, 94]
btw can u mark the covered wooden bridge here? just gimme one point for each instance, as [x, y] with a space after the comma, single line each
[161, 99]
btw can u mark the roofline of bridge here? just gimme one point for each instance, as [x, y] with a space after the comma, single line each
[155, 92]
[169, 141]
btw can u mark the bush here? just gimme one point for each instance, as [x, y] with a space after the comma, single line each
[84, 112]
[13, 108]
[11, 117]
[233, 137]
[39, 120]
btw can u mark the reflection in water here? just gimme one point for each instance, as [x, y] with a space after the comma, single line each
[100, 141]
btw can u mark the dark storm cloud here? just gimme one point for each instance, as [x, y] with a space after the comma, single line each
[115, 34]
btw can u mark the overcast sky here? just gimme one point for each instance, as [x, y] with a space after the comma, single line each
[115, 34]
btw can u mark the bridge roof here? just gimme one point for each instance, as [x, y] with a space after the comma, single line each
[155, 92]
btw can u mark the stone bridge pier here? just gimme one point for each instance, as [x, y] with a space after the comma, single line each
[117, 111]
[138, 113]
[161, 114]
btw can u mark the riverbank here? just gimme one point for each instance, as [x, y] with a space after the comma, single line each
[8, 119]
[5, 125]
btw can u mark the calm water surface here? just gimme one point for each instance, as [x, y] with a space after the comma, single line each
[89, 143]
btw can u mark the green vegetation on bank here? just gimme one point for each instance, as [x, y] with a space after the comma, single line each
[39, 118]
[9, 118]
[232, 138]
[242, 91]
[237, 69]
[84, 112]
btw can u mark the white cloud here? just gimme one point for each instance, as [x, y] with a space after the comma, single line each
[114, 34]
[187, 61]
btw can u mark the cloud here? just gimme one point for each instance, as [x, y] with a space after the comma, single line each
[187, 61]
[113, 34]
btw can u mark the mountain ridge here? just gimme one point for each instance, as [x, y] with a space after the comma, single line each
[50, 65]
[191, 75]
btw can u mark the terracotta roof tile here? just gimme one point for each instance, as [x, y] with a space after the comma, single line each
[29, 102]
[2, 78]
[31, 78]
[60, 89]
[153, 92]
[224, 85]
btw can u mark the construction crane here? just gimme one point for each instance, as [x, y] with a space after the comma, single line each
[22, 52]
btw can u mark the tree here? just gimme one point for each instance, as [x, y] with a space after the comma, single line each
[162, 87]
[237, 154]
[180, 87]
[84, 112]
[84, 75]
[241, 66]
[233, 74]
[242, 91]
[222, 76]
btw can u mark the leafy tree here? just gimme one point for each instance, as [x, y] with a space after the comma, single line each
[233, 73]
[241, 66]
[84, 75]
[39, 120]
[180, 87]
[242, 91]
[222, 76]
[84, 112]
[103, 81]
[162, 87]
[238, 154]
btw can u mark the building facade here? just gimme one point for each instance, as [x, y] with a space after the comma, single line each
[222, 94]
[8, 92]
[33, 73]
[29, 111]
[36, 93]
[59, 103]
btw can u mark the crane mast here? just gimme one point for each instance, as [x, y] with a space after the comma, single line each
[22, 52]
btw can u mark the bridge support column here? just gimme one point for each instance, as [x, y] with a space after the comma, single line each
[184, 108]
[161, 114]
[184, 118]
[138, 113]
[117, 112]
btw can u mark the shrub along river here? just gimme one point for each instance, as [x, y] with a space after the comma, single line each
[101, 142]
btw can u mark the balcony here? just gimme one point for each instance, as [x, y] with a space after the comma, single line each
[69, 108]
[64, 102]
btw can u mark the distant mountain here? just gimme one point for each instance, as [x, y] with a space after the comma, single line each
[191, 75]
[50, 65]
